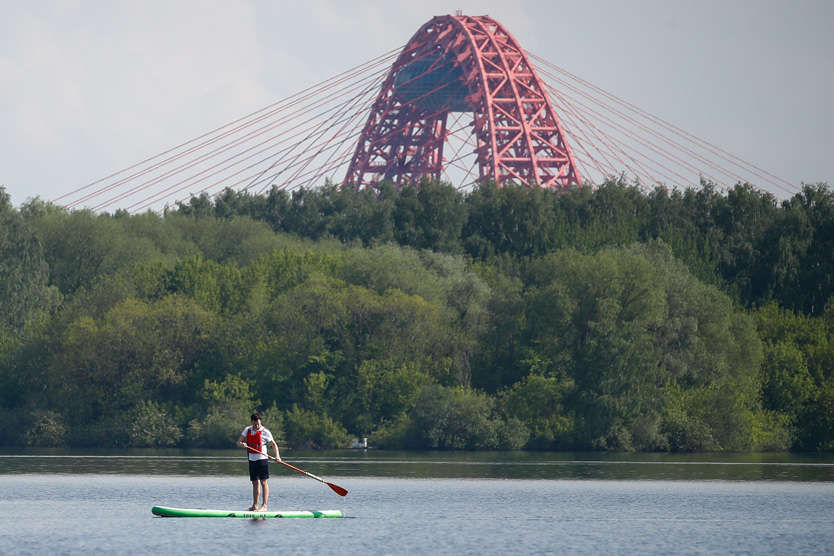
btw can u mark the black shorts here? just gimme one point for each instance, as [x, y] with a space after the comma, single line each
[259, 470]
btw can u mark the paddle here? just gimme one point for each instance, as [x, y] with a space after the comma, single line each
[336, 488]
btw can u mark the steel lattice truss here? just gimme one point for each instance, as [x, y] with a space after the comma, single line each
[463, 64]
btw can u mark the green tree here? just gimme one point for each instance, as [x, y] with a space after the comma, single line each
[496, 364]
[227, 406]
[309, 429]
[136, 352]
[364, 215]
[816, 267]
[816, 423]
[796, 375]
[79, 247]
[624, 325]
[24, 273]
[430, 216]
[239, 239]
[745, 219]
[152, 426]
[388, 389]
[453, 418]
[511, 219]
[537, 402]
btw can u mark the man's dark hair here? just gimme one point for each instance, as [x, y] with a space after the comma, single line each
[255, 417]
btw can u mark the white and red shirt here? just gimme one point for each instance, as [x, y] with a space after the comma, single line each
[257, 439]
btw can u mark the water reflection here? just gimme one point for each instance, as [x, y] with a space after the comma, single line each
[461, 465]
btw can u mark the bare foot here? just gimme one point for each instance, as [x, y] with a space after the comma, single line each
[262, 508]
[252, 508]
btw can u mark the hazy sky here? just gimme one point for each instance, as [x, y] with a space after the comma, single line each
[88, 88]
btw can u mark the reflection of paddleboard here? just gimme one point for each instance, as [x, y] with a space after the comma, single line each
[182, 512]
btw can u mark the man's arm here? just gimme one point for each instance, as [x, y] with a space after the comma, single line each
[275, 447]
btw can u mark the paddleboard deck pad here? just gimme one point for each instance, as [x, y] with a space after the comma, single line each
[185, 512]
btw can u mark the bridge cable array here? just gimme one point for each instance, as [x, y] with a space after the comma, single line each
[308, 139]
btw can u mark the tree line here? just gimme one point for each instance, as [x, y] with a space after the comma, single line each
[605, 318]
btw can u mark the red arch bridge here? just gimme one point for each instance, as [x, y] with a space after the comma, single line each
[461, 102]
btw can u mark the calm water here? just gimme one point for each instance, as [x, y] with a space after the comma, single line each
[68, 502]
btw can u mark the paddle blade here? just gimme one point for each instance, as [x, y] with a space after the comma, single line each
[337, 489]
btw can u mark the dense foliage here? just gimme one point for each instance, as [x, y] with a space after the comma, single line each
[502, 318]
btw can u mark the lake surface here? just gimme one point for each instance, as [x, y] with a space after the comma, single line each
[99, 502]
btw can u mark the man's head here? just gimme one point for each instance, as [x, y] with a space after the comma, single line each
[256, 419]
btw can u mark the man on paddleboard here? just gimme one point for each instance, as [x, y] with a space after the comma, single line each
[255, 439]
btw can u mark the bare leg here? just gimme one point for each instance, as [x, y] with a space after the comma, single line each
[256, 494]
[266, 494]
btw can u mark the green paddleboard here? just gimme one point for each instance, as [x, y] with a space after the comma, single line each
[185, 512]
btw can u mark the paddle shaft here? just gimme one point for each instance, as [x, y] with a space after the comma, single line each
[336, 488]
